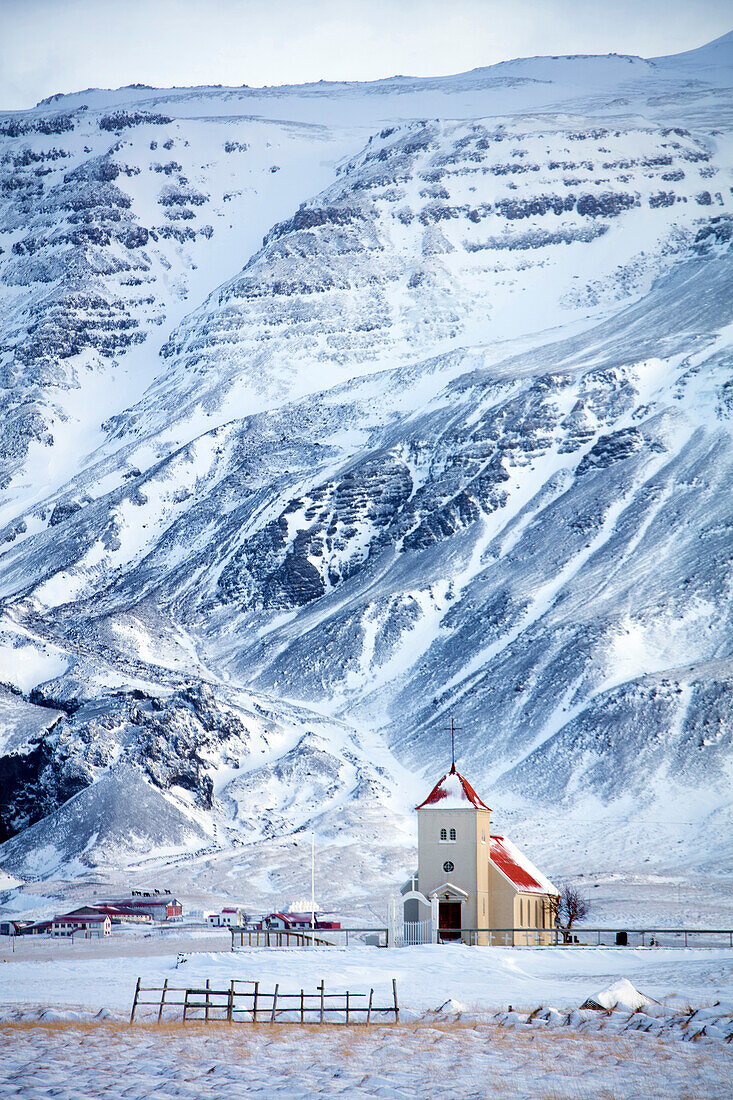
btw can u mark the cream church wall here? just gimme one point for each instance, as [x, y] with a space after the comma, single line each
[469, 853]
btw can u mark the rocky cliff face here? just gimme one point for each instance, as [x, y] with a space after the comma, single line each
[320, 430]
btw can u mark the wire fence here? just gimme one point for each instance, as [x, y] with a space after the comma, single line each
[580, 936]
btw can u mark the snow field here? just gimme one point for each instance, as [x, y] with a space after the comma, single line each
[478, 980]
[429, 1060]
[475, 1022]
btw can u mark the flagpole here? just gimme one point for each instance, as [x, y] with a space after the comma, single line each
[313, 881]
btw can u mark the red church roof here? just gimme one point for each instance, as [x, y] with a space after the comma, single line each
[515, 866]
[453, 792]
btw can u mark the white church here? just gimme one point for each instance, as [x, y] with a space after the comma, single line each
[471, 885]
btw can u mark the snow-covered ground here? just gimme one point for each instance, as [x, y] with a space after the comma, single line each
[476, 1022]
[474, 1063]
[482, 980]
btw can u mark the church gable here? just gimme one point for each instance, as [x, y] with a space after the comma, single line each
[449, 892]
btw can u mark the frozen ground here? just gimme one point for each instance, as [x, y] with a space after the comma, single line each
[484, 1060]
[62, 1030]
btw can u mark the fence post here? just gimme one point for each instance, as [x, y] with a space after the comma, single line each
[274, 1004]
[322, 988]
[134, 1003]
[302, 1017]
[396, 1006]
[230, 1002]
[206, 1010]
[254, 1003]
[162, 1000]
[347, 1006]
[185, 1006]
[369, 1009]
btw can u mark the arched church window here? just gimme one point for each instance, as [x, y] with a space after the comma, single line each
[453, 834]
[443, 834]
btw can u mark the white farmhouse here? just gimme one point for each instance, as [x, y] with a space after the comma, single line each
[230, 917]
[87, 925]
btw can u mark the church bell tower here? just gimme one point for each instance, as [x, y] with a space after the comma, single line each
[453, 837]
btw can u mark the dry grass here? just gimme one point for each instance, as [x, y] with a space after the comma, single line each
[482, 1060]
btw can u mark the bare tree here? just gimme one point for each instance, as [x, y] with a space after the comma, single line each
[567, 907]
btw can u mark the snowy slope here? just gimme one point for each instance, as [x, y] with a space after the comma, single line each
[329, 411]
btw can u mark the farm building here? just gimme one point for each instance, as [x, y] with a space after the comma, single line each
[116, 913]
[230, 916]
[37, 928]
[15, 927]
[477, 881]
[156, 905]
[90, 925]
[295, 921]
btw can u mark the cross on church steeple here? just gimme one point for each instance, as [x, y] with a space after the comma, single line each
[453, 727]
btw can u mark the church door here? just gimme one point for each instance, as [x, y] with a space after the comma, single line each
[449, 920]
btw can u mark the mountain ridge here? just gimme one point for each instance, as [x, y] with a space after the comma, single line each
[320, 429]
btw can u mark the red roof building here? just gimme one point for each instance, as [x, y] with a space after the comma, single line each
[96, 924]
[158, 906]
[116, 913]
[296, 921]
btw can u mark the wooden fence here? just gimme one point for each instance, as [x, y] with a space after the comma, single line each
[251, 1004]
[306, 937]
[275, 937]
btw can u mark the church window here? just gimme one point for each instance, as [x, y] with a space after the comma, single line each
[453, 834]
[483, 836]
[443, 834]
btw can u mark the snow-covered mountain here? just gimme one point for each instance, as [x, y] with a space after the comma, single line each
[332, 411]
